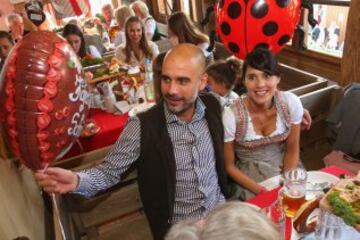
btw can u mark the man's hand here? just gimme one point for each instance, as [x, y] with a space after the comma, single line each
[57, 180]
[306, 120]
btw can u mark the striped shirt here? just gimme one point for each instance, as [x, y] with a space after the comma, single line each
[197, 190]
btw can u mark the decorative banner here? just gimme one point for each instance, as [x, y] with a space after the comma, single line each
[43, 99]
[70, 8]
[246, 24]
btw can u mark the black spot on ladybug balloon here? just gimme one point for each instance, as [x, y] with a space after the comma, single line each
[246, 24]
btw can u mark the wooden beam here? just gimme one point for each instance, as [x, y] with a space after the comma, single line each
[351, 56]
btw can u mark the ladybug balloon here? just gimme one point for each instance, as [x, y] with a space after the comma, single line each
[246, 24]
[43, 99]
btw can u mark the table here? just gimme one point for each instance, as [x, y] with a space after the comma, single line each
[111, 126]
[266, 199]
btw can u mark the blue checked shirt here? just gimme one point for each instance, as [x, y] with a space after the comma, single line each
[197, 190]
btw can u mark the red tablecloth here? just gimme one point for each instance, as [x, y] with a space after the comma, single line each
[111, 126]
[267, 198]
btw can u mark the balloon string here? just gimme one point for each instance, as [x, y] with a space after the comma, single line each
[55, 207]
[57, 212]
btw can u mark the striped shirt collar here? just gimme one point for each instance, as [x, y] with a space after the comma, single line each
[199, 112]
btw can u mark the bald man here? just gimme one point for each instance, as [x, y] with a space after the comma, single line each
[177, 146]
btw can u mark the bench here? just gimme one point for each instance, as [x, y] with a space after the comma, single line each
[114, 212]
[314, 144]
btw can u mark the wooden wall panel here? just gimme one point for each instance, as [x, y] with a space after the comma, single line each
[351, 58]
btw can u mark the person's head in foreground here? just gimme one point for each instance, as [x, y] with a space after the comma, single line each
[228, 221]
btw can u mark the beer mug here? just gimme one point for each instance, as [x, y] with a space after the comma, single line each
[293, 192]
[113, 31]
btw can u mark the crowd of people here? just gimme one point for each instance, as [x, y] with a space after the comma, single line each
[213, 120]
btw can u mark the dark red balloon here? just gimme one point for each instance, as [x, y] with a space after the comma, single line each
[246, 24]
[43, 99]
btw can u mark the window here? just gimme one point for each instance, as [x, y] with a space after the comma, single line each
[165, 6]
[185, 7]
[328, 36]
[325, 41]
[189, 7]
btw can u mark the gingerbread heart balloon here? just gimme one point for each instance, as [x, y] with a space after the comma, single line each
[43, 99]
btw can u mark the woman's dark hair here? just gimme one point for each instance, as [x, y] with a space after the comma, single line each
[6, 35]
[185, 30]
[74, 29]
[262, 59]
[157, 69]
[143, 42]
[225, 71]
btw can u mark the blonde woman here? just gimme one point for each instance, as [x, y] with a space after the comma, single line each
[137, 48]
[121, 15]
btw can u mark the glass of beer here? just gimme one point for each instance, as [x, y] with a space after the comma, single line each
[113, 31]
[293, 192]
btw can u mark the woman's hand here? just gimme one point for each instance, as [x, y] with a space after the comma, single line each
[57, 180]
[235, 173]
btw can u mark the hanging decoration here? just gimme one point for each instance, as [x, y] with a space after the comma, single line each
[247, 24]
[70, 8]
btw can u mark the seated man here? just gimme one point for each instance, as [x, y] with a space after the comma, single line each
[176, 146]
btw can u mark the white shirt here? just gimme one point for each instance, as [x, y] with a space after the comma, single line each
[296, 113]
[120, 38]
[228, 99]
[150, 26]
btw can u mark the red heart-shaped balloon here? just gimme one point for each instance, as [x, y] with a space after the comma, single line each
[43, 99]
